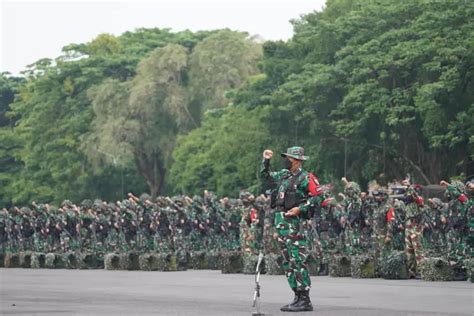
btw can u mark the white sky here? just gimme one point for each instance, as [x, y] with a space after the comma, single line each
[35, 29]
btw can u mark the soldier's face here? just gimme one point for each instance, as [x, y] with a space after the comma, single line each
[470, 186]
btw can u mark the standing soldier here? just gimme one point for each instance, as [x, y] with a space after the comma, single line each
[437, 210]
[3, 229]
[398, 225]
[245, 222]
[352, 206]
[329, 228]
[233, 219]
[470, 215]
[413, 228]
[296, 192]
[457, 218]
[367, 212]
[383, 218]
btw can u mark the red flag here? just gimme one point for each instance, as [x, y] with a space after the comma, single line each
[253, 215]
[391, 214]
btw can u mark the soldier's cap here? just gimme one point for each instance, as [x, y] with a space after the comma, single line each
[295, 152]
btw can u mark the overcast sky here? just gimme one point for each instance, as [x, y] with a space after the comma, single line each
[35, 29]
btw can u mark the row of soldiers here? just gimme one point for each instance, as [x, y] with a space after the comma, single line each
[395, 219]
[179, 224]
[350, 223]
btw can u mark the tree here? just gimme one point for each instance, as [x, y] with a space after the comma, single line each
[219, 64]
[142, 118]
[222, 155]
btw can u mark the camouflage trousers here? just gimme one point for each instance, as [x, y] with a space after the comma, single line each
[270, 241]
[456, 242]
[244, 239]
[328, 245]
[380, 246]
[352, 238]
[314, 244]
[293, 251]
[413, 247]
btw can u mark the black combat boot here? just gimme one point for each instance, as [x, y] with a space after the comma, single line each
[295, 300]
[303, 305]
[323, 269]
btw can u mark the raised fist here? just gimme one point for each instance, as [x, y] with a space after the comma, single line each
[267, 154]
[444, 183]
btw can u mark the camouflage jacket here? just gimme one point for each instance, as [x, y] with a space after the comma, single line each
[305, 196]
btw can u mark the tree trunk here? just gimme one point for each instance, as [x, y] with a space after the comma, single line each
[146, 166]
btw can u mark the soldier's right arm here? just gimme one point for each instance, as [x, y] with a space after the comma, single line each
[265, 168]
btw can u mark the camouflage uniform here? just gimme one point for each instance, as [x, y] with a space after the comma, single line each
[413, 230]
[459, 207]
[3, 230]
[382, 231]
[328, 230]
[367, 213]
[352, 206]
[470, 215]
[434, 236]
[246, 237]
[292, 240]
[398, 225]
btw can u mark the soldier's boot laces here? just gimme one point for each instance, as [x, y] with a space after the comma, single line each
[303, 304]
[295, 300]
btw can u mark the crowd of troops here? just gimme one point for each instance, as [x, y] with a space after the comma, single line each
[385, 219]
[396, 218]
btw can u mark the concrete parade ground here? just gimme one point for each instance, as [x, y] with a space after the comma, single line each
[206, 292]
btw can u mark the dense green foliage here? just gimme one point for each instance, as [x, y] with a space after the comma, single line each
[371, 89]
[103, 118]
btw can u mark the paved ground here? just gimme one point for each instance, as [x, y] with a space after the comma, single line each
[100, 292]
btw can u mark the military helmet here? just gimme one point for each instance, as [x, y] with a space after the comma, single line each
[127, 204]
[66, 204]
[98, 204]
[459, 186]
[398, 203]
[437, 202]
[161, 201]
[178, 200]
[261, 200]
[352, 189]
[86, 203]
[244, 195]
[198, 199]
[25, 210]
[144, 197]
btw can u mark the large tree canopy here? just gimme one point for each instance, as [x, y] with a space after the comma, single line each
[139, 120]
